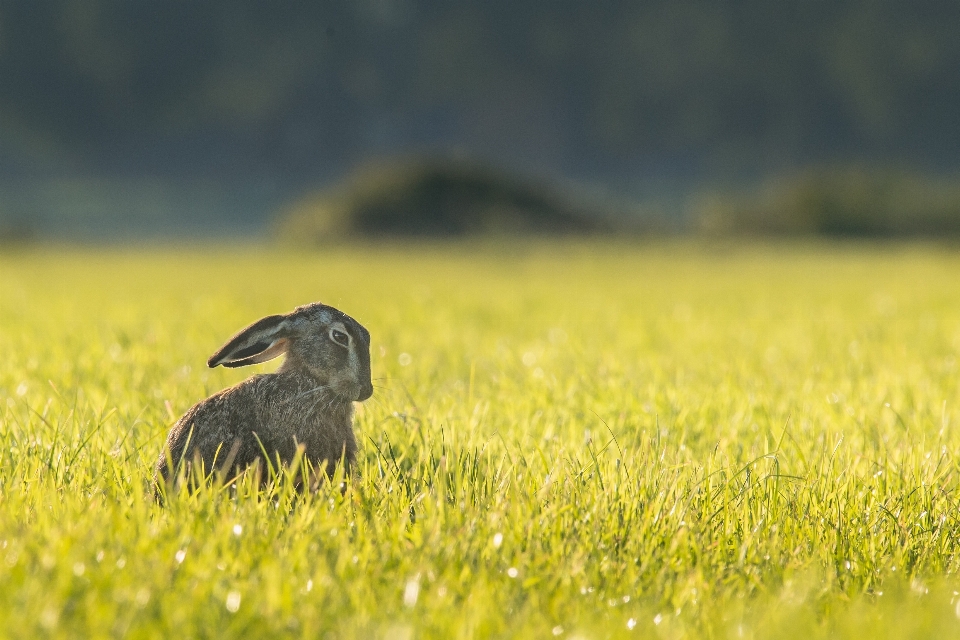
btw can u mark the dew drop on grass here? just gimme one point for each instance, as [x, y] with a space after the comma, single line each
[181, 554]
[79, 569]
[233, 601]
[49, 617]
[657, 619]
[404, 359]
[237, 529]
[411, 592]
[309, 585]
[497, 540]
[557, 630]
[512, 572]
[631, 623]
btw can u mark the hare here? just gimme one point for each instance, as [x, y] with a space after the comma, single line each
[307, 403]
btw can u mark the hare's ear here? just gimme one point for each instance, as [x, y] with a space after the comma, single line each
[264, 340]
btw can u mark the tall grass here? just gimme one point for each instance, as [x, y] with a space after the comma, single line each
[566, 439]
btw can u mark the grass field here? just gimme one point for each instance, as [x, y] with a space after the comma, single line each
[573, 440]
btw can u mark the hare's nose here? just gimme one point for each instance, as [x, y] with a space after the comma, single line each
[365, 392]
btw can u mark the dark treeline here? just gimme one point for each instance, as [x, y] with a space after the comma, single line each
[621, 94]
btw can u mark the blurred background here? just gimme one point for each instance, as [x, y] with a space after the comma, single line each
[126, 119]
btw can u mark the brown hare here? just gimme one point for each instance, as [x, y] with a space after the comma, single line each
[306, 403]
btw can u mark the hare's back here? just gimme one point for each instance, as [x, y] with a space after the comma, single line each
[224, 422]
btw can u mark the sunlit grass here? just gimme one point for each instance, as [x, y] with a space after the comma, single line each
[566, 439]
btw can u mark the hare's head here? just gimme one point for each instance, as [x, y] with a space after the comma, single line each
[320, 341]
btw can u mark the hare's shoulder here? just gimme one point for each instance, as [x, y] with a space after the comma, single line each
[259, 390]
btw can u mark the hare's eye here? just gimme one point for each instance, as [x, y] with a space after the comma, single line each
[340, 337]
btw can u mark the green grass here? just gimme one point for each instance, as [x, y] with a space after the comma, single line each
[586, 440]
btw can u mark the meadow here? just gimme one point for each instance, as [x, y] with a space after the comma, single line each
[567, 439]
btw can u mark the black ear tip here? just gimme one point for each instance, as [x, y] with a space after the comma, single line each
[213, 363]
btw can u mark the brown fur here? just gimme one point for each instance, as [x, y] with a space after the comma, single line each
[307, 403]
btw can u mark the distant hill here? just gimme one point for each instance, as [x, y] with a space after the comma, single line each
[435, 197]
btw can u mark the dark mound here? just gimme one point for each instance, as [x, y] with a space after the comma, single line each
[434, 198]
